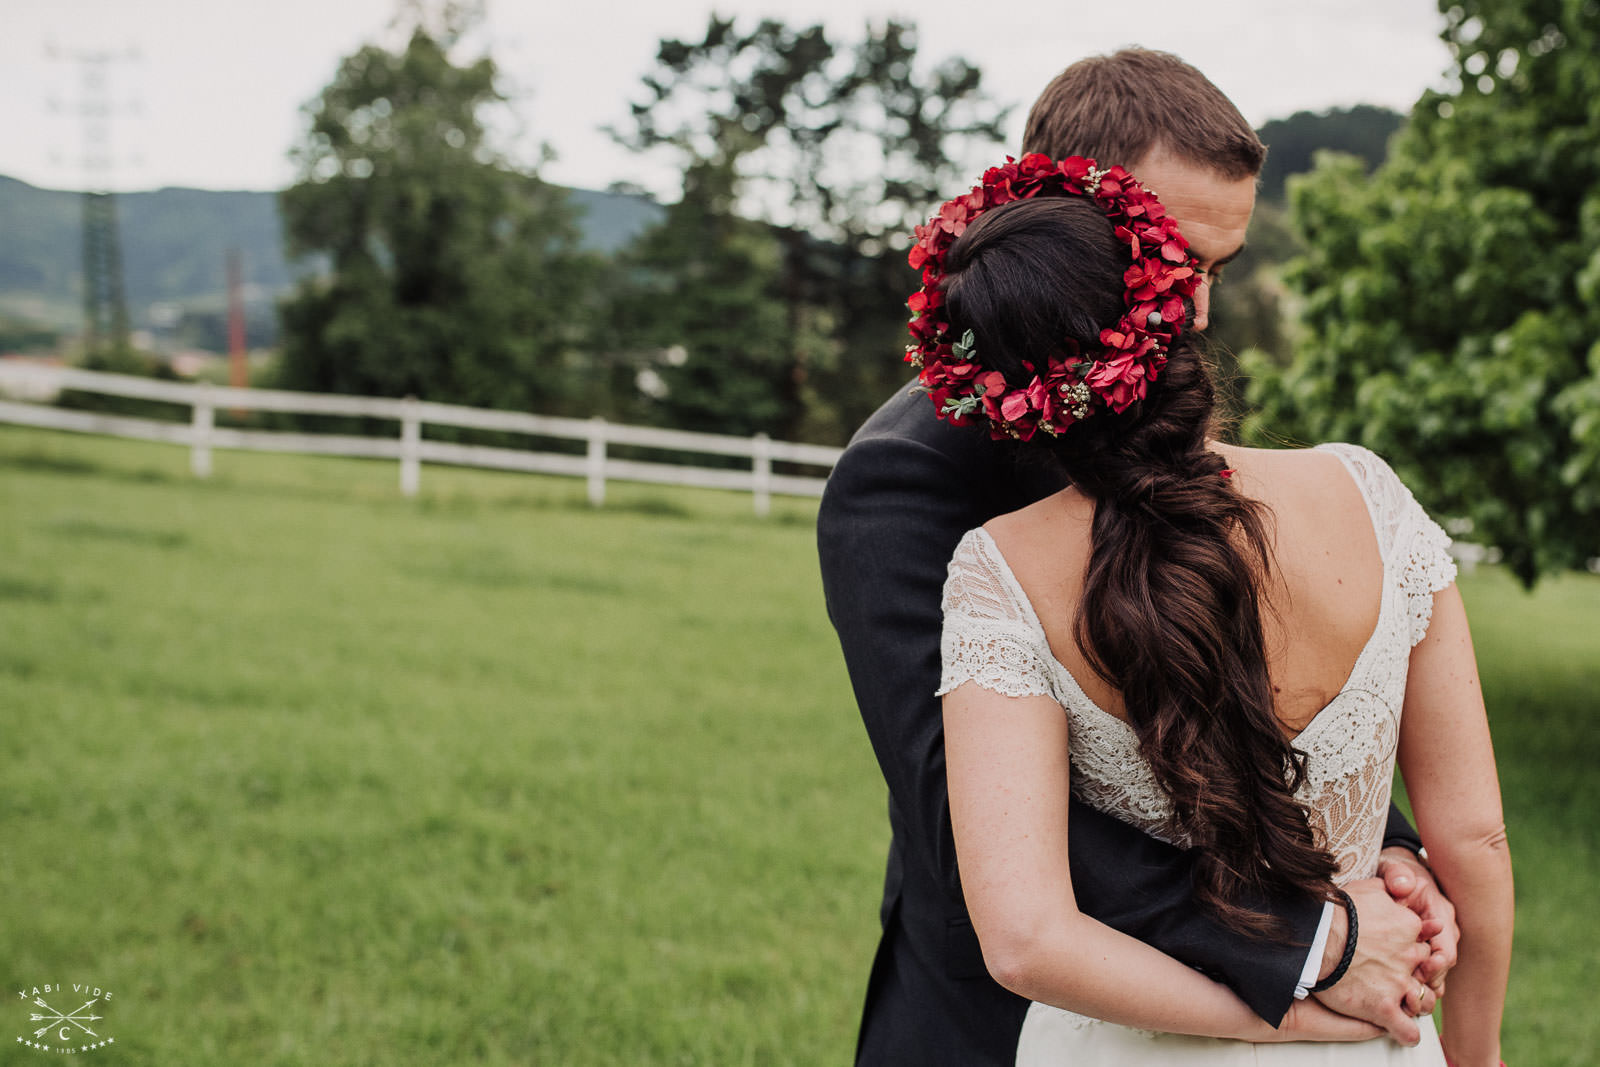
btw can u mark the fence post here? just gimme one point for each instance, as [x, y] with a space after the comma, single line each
[761, 473]
[597, 461]
[200, 432]
[410, 446]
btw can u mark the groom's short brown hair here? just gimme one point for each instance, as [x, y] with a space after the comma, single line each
[1119, 108]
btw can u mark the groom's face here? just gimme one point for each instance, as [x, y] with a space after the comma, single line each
[1212, 211]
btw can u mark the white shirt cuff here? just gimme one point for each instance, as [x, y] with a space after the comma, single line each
[1308, 974]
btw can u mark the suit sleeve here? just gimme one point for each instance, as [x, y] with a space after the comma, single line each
[892, 516]
[885, 534]
[1399, 833]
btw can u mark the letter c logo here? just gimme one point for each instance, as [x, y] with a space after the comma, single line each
[64, 1035]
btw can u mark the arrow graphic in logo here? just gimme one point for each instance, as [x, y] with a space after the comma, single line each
[56, 1018]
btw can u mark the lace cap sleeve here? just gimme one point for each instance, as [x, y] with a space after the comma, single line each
[991, 635]
[1426, 568]
[1415, 548]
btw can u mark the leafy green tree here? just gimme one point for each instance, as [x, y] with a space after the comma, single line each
[452, 274]
[1248, 309]
[1451, 301]
[708, 277]
[840, 149]
[22, 335]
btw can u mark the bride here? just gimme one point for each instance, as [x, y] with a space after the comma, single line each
[1226, 647]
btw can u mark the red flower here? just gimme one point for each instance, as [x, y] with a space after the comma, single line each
[953, 218]
[1171, 278]
[1120, 382]
[1038, 394]
[962, 373]
[1074, 169]
[1015, 405]
[993, 382]
[1117, 340]
[1141, 278]
[1170, 308]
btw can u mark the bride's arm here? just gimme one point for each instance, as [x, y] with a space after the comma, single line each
[1448, 765]
[1006, 760]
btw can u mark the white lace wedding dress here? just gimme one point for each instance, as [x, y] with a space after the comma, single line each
[992, 637]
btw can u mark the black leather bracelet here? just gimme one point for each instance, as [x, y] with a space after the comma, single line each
[1349, 946]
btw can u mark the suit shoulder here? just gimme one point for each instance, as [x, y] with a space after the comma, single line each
[907, 418]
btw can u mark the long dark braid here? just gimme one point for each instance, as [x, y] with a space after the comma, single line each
[1171, 607]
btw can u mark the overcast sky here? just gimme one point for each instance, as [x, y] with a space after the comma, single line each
[211, 95]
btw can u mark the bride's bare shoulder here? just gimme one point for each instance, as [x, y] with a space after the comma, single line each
[1296, 476]
[1317, 512]
[1057, 515]
[1303, 459]
[1046, 543]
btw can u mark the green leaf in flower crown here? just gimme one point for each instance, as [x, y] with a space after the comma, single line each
[966, 349]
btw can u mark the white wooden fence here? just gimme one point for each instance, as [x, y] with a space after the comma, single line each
[201, 434]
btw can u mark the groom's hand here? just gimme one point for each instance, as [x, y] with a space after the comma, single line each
[1411, 883]
[1380, 986]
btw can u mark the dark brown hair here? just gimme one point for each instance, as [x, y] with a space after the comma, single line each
[1119, 108]
[1171, 607]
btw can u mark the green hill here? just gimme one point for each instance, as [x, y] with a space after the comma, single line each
[175, 242]
[1362, 131]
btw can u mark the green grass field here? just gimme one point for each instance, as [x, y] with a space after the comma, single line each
[305, 772]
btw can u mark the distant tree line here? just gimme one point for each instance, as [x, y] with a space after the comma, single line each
[21, 335]
[769, 298]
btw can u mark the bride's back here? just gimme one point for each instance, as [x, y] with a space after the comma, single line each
[1224, 652]
[1322, 594]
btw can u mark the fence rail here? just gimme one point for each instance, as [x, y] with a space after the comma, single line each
[595, 466]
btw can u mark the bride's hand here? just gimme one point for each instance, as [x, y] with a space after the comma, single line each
[1381, 986]
[1411, 883]
[1309, 1020]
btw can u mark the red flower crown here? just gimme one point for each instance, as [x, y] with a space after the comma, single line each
[1073, 383]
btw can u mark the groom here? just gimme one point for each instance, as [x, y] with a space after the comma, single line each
[906, 489]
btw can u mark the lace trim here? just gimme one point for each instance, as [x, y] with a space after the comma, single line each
[1429, 567]
[991, 635]
[1349, 773]
[1110, 774]
[1350, 762]
[995, 658]
[1074, 1021]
